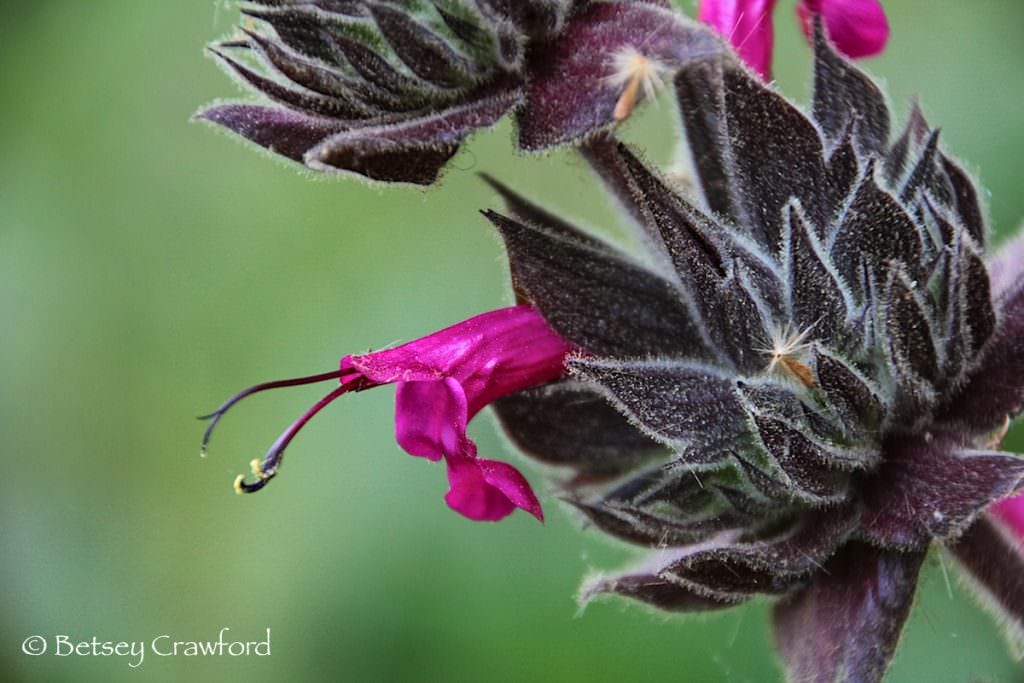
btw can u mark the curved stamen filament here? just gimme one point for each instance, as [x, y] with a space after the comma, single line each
[267, 470]
[215, 416]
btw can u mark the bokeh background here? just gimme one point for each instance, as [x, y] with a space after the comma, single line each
[149, 267]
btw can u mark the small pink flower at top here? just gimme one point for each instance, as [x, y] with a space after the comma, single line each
[747, 24]
[857, 27]
[1011, 512]
[442, 381]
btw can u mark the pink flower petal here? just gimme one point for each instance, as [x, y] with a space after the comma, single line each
[492, 354]
[858, 28]
[471, 496]
[747, 25]
[512, 484]
[445, 378]
[1011, 512]
[487, 490]
[430, 417]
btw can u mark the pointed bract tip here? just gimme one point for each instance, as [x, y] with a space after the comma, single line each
[203, 114]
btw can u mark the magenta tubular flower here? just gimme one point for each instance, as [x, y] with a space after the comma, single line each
[858, 28]
[1011, 513]
[747, 24]
[442, 381]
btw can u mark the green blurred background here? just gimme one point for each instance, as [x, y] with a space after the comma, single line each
[150, 267]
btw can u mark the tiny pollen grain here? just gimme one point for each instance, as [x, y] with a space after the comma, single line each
[635, 72]
[257, 468]
[238, 484]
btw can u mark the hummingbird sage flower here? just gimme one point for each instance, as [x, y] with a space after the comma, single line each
[858, 28]
[796, 390]
[442, 381]
[390, 90]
